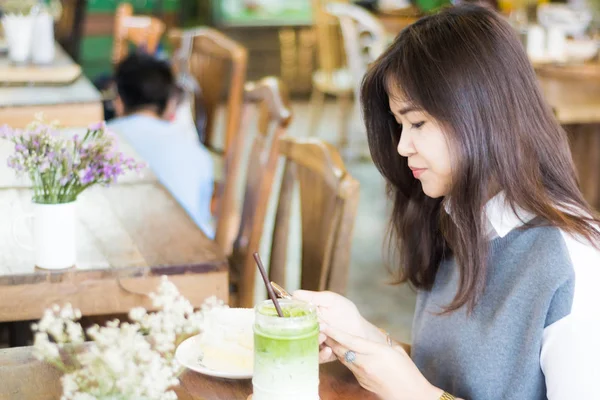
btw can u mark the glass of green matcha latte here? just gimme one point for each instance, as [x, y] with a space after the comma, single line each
[286, 352]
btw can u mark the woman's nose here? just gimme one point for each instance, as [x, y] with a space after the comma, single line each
[405, 145]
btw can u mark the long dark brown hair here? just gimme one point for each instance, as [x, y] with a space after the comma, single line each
[466, 68]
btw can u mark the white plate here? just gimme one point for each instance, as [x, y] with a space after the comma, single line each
[229, 339]
[189, 354]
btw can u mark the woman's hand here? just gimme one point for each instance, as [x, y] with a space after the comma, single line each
[339, 312]
[386, 371]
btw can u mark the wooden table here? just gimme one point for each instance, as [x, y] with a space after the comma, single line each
[24, 377]
[128, 235]
[576, 103]
[74, 104]
[395, 21]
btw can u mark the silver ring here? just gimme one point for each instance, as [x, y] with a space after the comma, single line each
[350, 356]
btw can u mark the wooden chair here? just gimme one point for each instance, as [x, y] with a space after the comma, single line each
[141, 30]
[328, 201]
[364, 38]
[331, 77]
[68, 30]
[274, 116]
[206, 63]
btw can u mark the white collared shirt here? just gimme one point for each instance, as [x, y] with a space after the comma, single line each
[570, 353]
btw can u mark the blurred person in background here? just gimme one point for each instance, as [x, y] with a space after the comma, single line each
[146, 105]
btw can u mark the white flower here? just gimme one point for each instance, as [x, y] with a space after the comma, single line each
[74, 332]
[114, 360]
[124, 360]
[84, 396]
[43, 348]
[137, 313]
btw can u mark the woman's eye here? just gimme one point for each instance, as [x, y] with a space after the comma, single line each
[418, 125]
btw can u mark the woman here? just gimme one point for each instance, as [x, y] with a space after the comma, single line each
[488, 223]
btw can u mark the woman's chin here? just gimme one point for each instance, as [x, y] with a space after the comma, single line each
[433, 192]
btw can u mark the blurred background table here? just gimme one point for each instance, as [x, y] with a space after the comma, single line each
[128, 236]
[575, 99]
[59, 91]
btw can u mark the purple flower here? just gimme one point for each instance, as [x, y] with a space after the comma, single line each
[109, 134]
[6, 132]
[15, 163]
[98, 126]
[75, 163]
[86, 176]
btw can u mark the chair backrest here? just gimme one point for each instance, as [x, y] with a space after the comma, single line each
[274, 116]
[328, 202]
[330, 50]
[68, 30]
[364, 38]
[209, 61]
[141, 30]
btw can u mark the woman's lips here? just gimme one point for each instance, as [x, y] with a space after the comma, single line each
[417, 172]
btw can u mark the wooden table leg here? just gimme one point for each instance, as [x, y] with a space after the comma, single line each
[585, 147]
[593, 181]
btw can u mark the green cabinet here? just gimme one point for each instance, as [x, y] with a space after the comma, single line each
[140, 6]
[97, 42]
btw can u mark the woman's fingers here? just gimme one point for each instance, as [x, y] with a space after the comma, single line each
[337, 336]
[326, 355]
[351, 361]
[308, 296]
[320, 299]
[322, 338]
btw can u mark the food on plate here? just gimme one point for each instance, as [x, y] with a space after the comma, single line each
[227, 342]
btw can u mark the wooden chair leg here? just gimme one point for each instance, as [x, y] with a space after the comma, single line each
[345, 109]
[317, 103]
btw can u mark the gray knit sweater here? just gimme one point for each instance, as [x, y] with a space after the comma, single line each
[525, 339]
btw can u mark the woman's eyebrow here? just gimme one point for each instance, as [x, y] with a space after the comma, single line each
[407, 109]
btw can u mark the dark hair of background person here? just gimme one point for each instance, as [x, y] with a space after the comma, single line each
[144, 82]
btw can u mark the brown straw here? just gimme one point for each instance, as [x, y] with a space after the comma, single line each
[261, 268]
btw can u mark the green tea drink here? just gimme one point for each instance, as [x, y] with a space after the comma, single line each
[286, 352]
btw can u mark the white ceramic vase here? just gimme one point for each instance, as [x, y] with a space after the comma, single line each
[54, 235]
[53, 228]
[42, 48]
[18, 30]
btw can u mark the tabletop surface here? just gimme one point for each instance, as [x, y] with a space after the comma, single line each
[127, 236]
[80, 91]
[134, 223]
[24, 377]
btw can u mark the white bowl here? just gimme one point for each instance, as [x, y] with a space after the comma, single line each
[581, 50]
[573, 22]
